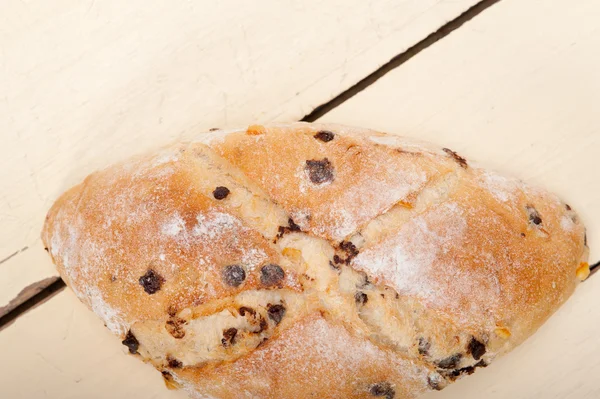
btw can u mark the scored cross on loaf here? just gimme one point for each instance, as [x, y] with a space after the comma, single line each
[312, 260]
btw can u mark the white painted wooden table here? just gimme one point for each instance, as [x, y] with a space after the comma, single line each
[82, 84]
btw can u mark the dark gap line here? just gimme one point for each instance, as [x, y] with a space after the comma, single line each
[32, 302]
[399, 59]
[9, 257]
[594, 268]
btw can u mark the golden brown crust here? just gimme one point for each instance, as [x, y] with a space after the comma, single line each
[314, 358]
[412, 266]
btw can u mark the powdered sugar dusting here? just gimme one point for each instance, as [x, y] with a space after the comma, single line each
[173, 226]
[406, 258]
[502, 188]
[566, 223]
[213, 224]
[254, 257]
[111, 317]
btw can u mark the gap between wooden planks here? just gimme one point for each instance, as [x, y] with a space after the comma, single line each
[520, 77]
[86, 84]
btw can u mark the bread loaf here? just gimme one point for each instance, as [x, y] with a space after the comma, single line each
[314, 261]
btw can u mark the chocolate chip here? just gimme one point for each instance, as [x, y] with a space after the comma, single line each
[243, 310]
[263, 325]
[233, 275]
[361, 298]
[465, 370]
[534, 216]
[333, 265]
[46, 249]
[324, 135]
[229, 336]
[350, 249]
[172, 310]
[319, 171]
[174, 363]
[434, 382]
[281, 230]
[151, 281]
[276, 313]
[476, 349]
[131, 342]
[567, 207]
[221, 192]
[382, 389]
[271, 274]
[450, 362]
[175, 327]
[522, 234]
[337, 259]
[293, 226]
[424, 346]
[461, 161]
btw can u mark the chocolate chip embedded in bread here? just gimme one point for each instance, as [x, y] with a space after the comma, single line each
[350, 249]
[233, 275]
[461, 161]
[382, 389]
[263, 325]
[221, 192]
[271, 274]
[281, 230]
[243, 310]
[229, 336]
[173, 363]
[169, 381]
[334, 266]
[435, 382]
[276, 313]
[533, 215]
[361, 298]
[450, 362]
[324, 135]
[476, 348]
[151, 281]
[175, 327]
[131, 342]
[424, 346]
[319, 171]
[293, 226]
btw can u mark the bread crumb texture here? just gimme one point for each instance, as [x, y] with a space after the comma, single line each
[312, 260]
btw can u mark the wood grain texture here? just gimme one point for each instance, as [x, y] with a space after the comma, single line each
[84, 83]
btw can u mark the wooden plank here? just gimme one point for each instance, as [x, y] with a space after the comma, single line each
[86, 83]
